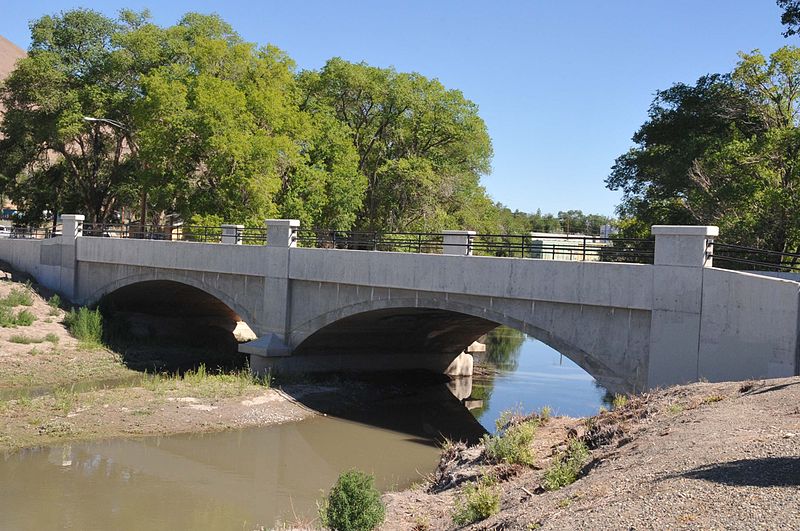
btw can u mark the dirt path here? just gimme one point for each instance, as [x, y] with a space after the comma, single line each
[703, 456]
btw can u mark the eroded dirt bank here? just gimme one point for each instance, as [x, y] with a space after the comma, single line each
[702, 456]
[54, 388]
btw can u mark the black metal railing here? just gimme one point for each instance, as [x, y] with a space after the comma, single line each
[550, 246]
[540, 246]
[191, 233]
[28, 233]
[744, 258]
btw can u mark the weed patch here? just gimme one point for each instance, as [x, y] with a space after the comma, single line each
[566, 466]
[17, 297]
[85, 325]
[25, 340]
[478, 501]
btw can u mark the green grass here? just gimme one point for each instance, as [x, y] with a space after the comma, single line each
[620, 401]
[17, 297]
[86, 326]
[51, 338]
[9, 319]
[512, 444]
[25, 340]
[477, 501]
[567, 465]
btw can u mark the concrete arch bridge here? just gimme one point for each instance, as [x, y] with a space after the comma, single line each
[631, 326]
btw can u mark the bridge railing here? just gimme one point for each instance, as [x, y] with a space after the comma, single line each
[191, 233]
[542, 246]
[28, 233]
[531, 245]
[744, 258]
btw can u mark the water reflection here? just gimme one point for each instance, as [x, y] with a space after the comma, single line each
[522, 373]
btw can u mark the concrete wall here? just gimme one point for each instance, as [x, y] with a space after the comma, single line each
[749, 326]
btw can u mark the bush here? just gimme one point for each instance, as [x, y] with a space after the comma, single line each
[18, 297]
[24, 318]
[512, 444]
[478, 501]
[564, 470]
[85, 325]
[353, 504]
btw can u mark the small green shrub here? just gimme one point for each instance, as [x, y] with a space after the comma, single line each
[85, 325]
[565, 468]
[353, 504]
[24, 340]
[18, 297]
[478, 501]
[24, 318]
[512, 444]
[51, 338]
[620, 401]
[54, 301]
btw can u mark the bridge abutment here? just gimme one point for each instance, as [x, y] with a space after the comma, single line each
[681, 254]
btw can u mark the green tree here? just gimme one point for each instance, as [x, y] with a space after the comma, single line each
[53, 158]
[790, 16]
[421, 147]
[724, 151]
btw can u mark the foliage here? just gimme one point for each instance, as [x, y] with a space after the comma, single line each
[566, 466]
[723, 151]
[790, 16]
[54, 301]
[620, 401]
[421, 147]
[478, 500]
[85, 325]
[352, 504]
[17, 297]
[512, 442]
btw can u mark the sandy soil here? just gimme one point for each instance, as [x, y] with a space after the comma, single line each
[56, 389]
[703, 456]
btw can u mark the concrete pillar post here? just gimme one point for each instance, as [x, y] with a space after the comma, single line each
[66, 250]
[685, 246]
[681, 255]
[72, 226]
[282, 232]
[232, 234]
[458, 242]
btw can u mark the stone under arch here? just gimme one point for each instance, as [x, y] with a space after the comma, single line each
[438, 326]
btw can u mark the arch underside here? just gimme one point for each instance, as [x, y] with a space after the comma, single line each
[403, 329]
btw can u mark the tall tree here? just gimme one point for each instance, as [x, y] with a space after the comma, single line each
[421, 147]
[724, 151]
[74, 70]
[790, 16]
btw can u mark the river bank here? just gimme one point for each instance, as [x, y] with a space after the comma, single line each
[700, 456]
[53, 388]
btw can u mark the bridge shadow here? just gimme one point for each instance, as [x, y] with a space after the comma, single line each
[417, 403]
[760, 472]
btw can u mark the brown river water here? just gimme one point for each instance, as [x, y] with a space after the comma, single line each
[263, 476]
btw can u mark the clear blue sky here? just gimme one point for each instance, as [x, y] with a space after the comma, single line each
[562, 86]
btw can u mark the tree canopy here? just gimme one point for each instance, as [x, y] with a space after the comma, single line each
[722, 151]
[107, 116]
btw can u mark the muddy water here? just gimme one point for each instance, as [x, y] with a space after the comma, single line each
[230, 480]
[249, 478]
[236, 479]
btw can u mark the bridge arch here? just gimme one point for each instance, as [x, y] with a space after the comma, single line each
[167, 277]
[439, 325]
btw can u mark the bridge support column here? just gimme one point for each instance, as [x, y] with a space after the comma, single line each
[681, 254]
[457, 242]
[71, 230]
[282, 236]
[232, 234]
